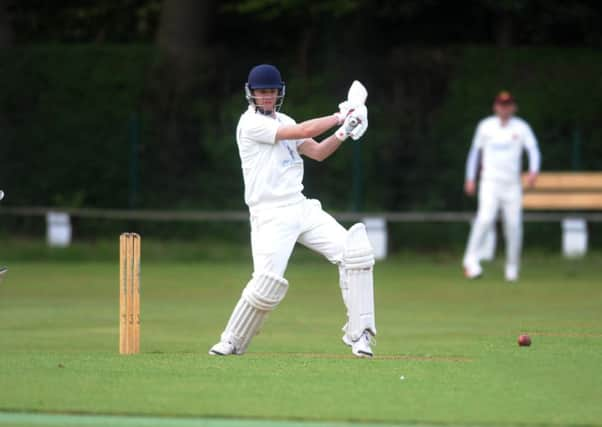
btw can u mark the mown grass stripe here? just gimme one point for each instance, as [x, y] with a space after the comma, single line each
[37, 419]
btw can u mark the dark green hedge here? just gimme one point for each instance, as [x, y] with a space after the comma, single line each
[64, 113]
[67, 117]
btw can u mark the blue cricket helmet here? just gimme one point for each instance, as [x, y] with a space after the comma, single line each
[265, 76]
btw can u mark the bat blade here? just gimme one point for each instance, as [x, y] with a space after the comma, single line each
[357, 93]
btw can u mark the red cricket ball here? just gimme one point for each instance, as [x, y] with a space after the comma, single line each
[524, 340]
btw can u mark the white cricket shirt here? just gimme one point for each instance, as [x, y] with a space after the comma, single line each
[272, 171]
[501, 148]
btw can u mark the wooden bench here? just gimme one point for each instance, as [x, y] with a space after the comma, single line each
[564, 191]
[568, 192]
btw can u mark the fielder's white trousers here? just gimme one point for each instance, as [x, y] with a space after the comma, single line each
[274, 233]
[493, 197]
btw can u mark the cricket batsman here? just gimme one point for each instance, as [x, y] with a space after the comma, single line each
[499, 140]
[271, 145]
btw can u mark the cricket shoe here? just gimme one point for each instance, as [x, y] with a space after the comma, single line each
[3, 271]
[223, 349]
[362, 346]
[472, 270]
[511, 273]
[347, 341]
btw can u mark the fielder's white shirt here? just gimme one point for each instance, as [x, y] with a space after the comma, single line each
[272, 171]
[501, 148]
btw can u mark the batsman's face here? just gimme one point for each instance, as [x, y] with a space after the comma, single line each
[266, 98]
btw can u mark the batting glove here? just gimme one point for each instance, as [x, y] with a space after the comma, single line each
[361, 114]
[360, 129]
[345, 108]
[356, 119]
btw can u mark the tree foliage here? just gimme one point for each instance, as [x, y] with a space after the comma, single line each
[432, 21]
[77, 21]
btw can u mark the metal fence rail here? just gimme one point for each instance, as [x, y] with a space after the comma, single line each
[230, 215]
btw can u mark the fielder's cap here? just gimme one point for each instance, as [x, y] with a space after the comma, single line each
[504, 97]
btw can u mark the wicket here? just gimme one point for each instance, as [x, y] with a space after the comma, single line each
[129, 293]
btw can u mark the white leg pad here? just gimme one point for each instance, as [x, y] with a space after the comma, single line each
[261, 295]
[358, 260]
[344, 291]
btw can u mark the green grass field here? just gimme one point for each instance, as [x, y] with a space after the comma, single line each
[446, 350]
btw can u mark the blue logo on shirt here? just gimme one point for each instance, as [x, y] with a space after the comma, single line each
[500, 146]
[294, 156]
[290, 151]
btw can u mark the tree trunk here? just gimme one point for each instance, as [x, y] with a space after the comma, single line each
[178, 80]
[504, 30]
[183, 27]
[303, 52]
[7, 35]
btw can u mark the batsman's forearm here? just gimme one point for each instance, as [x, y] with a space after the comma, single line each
[328, 146]
[314, 127]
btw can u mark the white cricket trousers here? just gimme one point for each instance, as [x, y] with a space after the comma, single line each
[493, 196]
[274, 233]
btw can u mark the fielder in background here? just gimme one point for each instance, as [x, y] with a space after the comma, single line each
[500, 140]
[270, 145]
